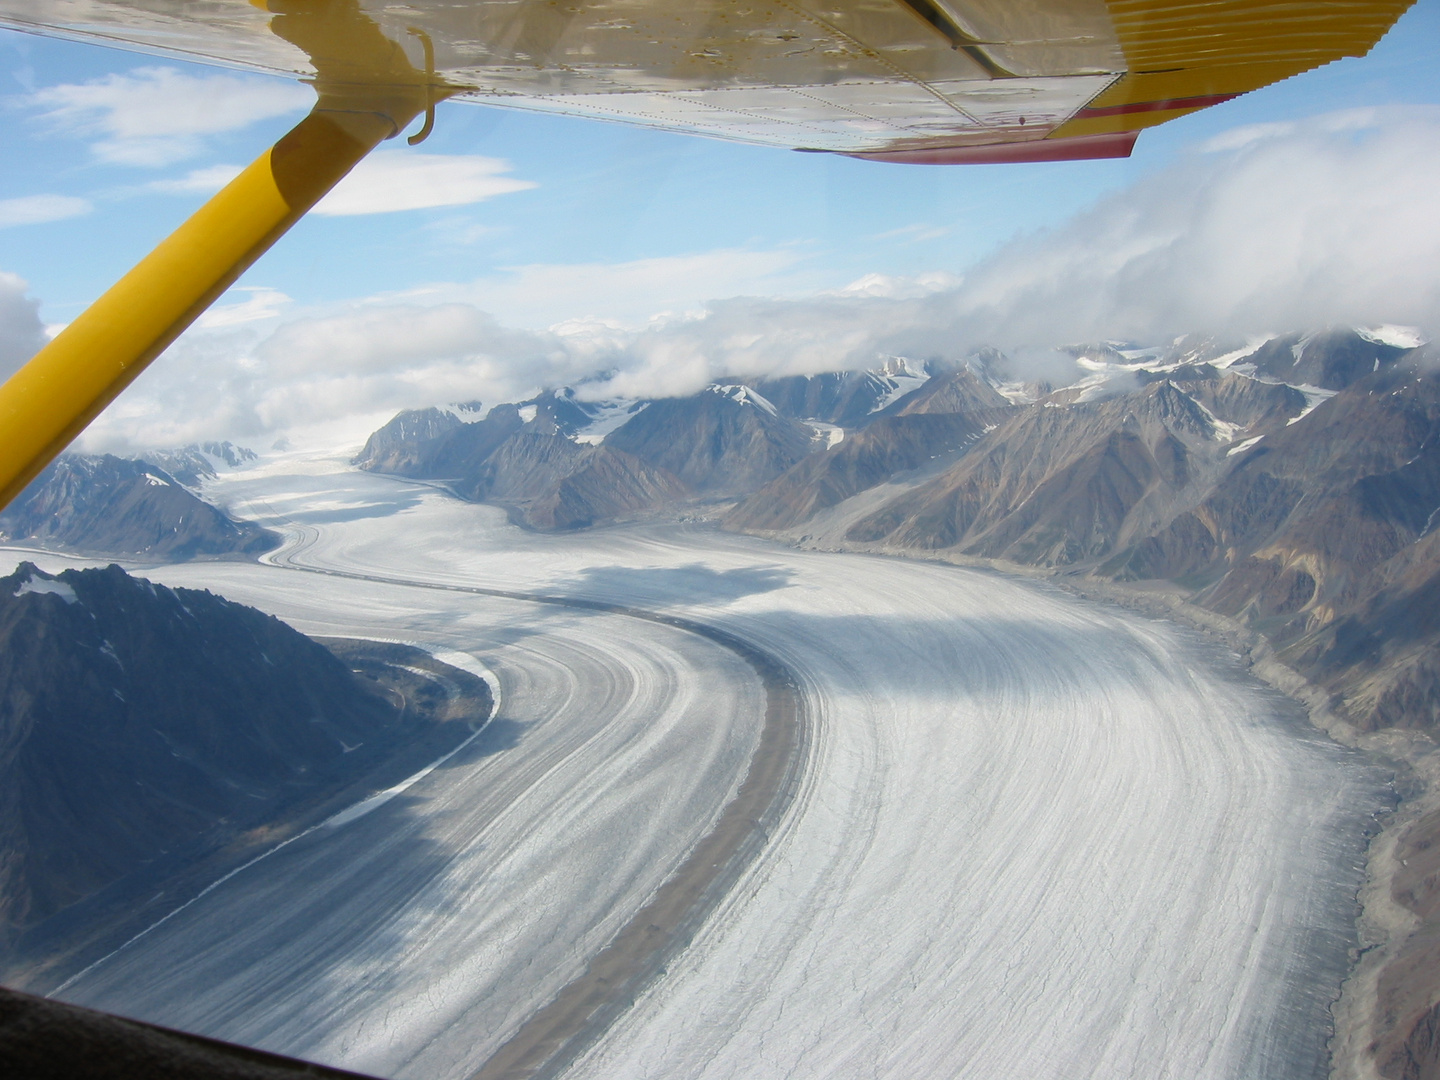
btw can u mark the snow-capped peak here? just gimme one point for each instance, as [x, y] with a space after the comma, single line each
[1397, 337]
[469, 412]
[605, 417]
[898, 367]
[34, 584]
[744, 395]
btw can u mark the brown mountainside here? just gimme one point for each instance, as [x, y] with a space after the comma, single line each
[720, 442]
[870, 456]
[846, 398]
[1061, 483]
[961, 391]
[1320, 536]
[525, 461]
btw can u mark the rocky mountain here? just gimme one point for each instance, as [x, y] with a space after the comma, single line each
[943, 416]
[425, 441]
[1331, 359]
[141, 724]
[959, 391]
[723, 441]
[1067, 480]
[862, 460]
[194, 464]
[1321, 536]
[117, 506]
[557, 463]
[845, 398]
[1304, 509]
[526, 458]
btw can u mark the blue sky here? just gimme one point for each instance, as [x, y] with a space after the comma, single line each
[591, 221]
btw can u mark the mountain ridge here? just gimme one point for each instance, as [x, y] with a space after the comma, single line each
[141, 724]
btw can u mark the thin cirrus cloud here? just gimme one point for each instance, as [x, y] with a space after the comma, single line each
[261, 303]
[391, 180]
[204, 181]
[155, 116]
[386, 182]
[38, 209]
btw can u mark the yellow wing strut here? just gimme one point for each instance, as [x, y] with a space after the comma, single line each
[368, 92]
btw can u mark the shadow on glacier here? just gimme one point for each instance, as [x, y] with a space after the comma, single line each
[340, 514]
[272, 958]
[693, 583]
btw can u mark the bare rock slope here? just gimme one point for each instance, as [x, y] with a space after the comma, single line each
[117, 506]
[140, 723]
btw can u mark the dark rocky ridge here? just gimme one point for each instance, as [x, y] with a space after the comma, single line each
[870, 456]
[1319, 537]
[960, 391]
[846, 398]
[1067, 481]
[526, 457]
[533, 467]
[719, 442]
[1331, 359]
[143, 727]
[116, 506]
[194, 464]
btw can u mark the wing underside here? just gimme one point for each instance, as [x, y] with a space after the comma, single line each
[900, 80]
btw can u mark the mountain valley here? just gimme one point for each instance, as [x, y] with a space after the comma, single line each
[1285, 489]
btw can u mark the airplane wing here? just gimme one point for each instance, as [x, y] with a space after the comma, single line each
[927, 81]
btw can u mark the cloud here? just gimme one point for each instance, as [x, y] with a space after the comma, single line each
[898, 288]
[157, 115]
[204, 181]
[395, 337]
[914, 233]
[37, 209]
[1329, 221]
[632, 293]
[391, 180]
[1294, 226]
[345, 371]
[21, 331]
[262, 303]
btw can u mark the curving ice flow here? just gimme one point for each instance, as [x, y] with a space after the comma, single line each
[1035, 837]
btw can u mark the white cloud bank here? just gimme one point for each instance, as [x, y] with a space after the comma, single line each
[157, 115]
[1326, 222]
[1329, 221]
